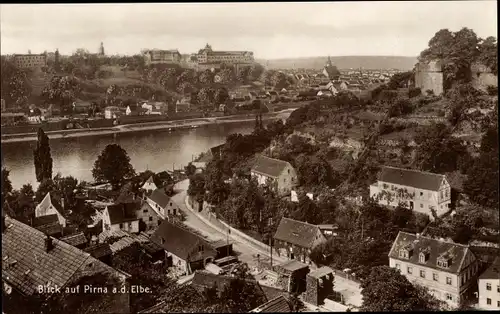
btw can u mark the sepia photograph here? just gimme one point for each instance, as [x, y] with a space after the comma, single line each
[249, 157]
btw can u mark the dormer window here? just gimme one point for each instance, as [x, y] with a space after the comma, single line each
[443, 262]
[423, 257]
[404, 253]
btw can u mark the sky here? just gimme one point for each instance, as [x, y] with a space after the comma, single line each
[270, 30]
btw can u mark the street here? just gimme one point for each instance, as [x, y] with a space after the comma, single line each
[246, 252]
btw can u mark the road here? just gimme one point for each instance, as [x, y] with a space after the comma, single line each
[246, 252]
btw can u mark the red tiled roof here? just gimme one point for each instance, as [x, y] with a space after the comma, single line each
[296, 232]
[268, 166]
[414, 178]
[435, 248]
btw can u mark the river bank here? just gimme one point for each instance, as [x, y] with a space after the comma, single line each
[148, 126]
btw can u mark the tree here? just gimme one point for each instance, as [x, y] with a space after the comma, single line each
[62, 89]
[400, 80]
[42, 157]
[385, 289]
[66, 186]
[6, 184]
[206, 77]
[307, 211]
[190, 169]
[221, 96]
[489, 54]
[437, 150]
[313, 170]
[196, 187]
[113, 165]
[217, 191]
[46, 186]
[206, 95]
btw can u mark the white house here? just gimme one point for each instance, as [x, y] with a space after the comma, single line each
[50, 206]
[295, 196]
[275, 173]
[163, 204]
[489, 287]
[111, 112]
[154, 108]
[421, 191]
[448, 270]
[149, 185]
[122, 217]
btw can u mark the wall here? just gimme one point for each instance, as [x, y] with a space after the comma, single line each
[286, 249]
[493, 294]
[438, 288]
[422, 200]
[147, 215]
[130, 226]
[426, 80]
[51, 211]
[287, 180]
[179, 263]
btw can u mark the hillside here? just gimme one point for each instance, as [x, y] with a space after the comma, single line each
[343, 62]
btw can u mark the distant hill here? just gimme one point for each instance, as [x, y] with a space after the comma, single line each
[343, 62]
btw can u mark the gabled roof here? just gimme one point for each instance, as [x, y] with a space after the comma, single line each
[297, 232]
[414, 178]
[159, 197]
[26, 264]
[279, 304]
[435, 248]
[493, 272]
[45, 204]
[122, 244]
[45, 220]
[178, 240]
[51, 229]
[75, 239]
[123, 212]
[269, 166]
[99, 250]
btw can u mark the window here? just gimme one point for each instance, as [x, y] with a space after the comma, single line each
[162, 241]
[409, 270]
[442, 194]
[498, 288]
[150, 218]
[421, 193]
[435, 277]
[200, 248]
[130, 225]
[448, 280]
[488, 301]
[121, 226]
[421, 205]
[144, 210]
[422, 257]
[498, 303]
[449, 297]
[398, 267]
[170, 203]
[422, 273]
[488, 286]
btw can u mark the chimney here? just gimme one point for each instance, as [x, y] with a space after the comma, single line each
[49, 245]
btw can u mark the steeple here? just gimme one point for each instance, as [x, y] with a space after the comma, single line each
[101, 49]
[329, 62]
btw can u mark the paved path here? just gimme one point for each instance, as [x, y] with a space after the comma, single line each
[246, 250]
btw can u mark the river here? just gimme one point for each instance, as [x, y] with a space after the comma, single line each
[156, 150]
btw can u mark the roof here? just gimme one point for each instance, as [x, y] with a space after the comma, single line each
[123, 212]
[293, 265]
[159, 197]
[99, 250]
[320, 272]
[75, 239]
[51, 229]
[204, 279]
[121, 244]
[269, 166]
[296, 232]
[152, 247]
[45, 220]
[456, 252]
[277, 305]
[216, 149]
[26, 245]
[45, 204]
[414, 178]
[220, 243]
[106, 234]
[493, 272]
[177, 240]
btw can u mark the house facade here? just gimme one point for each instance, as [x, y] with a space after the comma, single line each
[148, 216]
[489, 287]
[295, 239]
[184, 250]
[149, 185]
[111, 112]
[50, 206]
[162, 204]
[447, 269]
[157, 56]
[207, 55]
[121, 217]
[277, 174]
[420, 191]
[30, 61]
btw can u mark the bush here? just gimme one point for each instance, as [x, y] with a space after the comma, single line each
[414, 92]
[388, 95]
[492, 90]
[429, 92]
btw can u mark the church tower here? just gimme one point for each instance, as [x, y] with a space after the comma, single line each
[101, 49]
